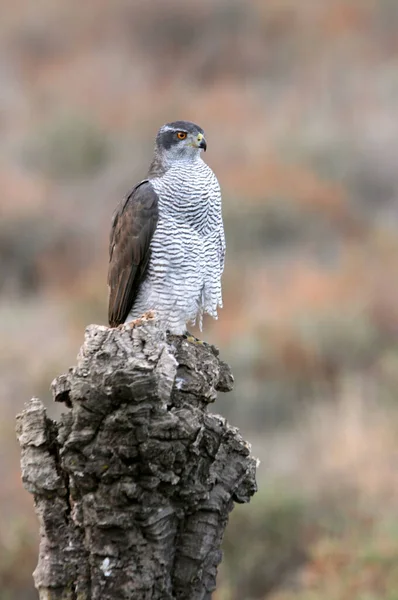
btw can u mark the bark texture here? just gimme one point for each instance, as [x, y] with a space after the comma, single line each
[134, 484]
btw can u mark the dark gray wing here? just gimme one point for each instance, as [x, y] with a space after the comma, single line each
[133, 226]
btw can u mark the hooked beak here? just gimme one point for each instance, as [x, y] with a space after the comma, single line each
[202, 144]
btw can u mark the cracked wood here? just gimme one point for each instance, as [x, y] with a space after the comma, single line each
[133, 486]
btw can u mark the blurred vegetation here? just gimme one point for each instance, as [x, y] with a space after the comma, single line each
[17, 549]
[270, 544]
[291, 546]
[67, 147]
[298, 100]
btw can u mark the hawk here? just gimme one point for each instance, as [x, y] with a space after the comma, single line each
[167, 243]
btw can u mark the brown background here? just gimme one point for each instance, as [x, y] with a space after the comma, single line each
[299, 103]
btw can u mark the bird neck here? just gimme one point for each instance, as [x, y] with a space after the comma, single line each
[162, 162]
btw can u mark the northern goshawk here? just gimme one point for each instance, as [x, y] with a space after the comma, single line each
[167, 243]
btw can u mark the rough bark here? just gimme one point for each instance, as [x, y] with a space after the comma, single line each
[134, 484]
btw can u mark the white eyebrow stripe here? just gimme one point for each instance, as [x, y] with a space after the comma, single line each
[171, 129]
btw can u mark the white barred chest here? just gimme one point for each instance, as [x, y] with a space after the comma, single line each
[184, 273]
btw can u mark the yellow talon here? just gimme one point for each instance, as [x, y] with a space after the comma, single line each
[194, 340]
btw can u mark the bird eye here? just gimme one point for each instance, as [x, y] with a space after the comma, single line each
[181, 135]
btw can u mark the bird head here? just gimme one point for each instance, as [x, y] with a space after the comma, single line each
[180, 140]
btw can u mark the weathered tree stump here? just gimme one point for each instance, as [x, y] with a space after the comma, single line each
[134, 484]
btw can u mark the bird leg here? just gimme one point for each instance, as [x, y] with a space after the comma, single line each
[191, 338]
[147, 316]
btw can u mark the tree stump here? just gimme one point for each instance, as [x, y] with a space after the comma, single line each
[134, 484]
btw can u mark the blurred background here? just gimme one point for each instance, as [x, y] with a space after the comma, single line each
[299, 103]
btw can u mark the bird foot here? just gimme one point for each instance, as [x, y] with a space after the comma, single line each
[147, 316]
[194, 340]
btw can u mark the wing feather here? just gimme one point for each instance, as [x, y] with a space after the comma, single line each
[133, 226]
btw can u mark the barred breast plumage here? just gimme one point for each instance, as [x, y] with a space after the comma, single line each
[182, 278]
[184, 273]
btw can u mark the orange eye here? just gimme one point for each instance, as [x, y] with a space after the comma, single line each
[181, 135]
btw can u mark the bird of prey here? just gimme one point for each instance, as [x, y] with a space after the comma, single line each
[167, 243]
